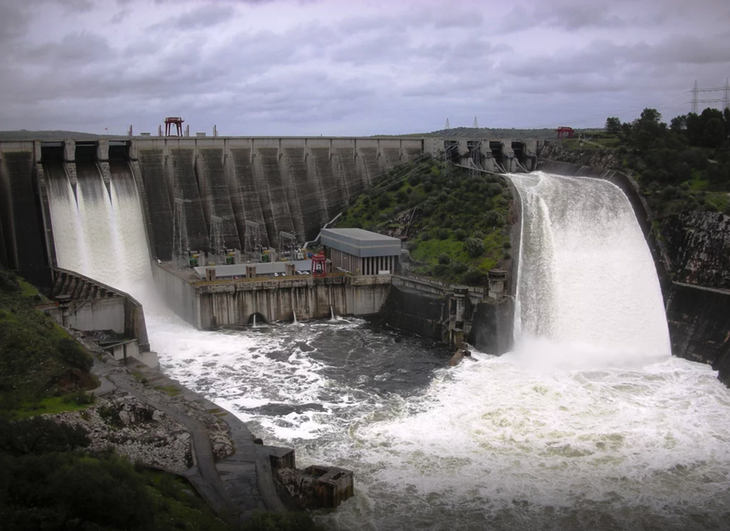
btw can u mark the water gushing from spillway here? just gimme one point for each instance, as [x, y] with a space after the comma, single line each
[581, 427]
[587, 281]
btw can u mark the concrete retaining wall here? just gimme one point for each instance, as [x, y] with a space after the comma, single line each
[419, 312]
[208, 305]
[699, 325]
[492, 328]
[96, 306]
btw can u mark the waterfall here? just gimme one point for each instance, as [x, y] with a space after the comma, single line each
[100, 233]
[294, 317]
[586, 279]
[333, 315]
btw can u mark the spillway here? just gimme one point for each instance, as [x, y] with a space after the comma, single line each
[586, 281]
[588, 424]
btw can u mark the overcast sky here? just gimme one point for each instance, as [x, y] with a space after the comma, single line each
[353, 67]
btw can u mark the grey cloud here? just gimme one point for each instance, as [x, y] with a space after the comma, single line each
[120, 16]
[609, 58]
[13, 22]
[199, 18]
[74, 49]
[566, 16]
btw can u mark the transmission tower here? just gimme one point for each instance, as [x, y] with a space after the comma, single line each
[287, 244]
[476, 124]
[217, 245]
[725, 100]
[180, 243]
[448, 125]
[252, 241]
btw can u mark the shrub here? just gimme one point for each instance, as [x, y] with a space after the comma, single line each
[383, 201]
[474, 247]
[475, 278]
[459, 267]
[74, 354]
[441, 270]
[444, 259]
[442, 234]
[460, 234]
[493, 219]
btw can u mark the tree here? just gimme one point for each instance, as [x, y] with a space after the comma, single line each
[678, 124]
[474, 247]
[613, 125]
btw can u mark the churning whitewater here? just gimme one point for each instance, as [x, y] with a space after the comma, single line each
[589, 424]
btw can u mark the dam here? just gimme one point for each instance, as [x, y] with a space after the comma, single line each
[207, 196]
[265, 186]
[588, 422]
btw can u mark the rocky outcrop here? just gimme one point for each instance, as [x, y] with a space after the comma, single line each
[145, 434]
[598, 158]
[136, 431]
[698, 244]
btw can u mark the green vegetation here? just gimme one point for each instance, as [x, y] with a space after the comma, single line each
[455, 223]
[48, 481]
[39, 361]
[681, 166]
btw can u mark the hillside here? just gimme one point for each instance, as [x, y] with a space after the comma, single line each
[454, 223]
[39, 361]
[485, 132]
[24, 134]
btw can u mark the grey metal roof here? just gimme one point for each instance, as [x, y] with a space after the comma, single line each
[359, 242]
[262, 268]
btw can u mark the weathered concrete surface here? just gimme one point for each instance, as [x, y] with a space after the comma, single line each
[22, 245]
[414, 311]
[208, 305]
[96, 306]
[492, 329]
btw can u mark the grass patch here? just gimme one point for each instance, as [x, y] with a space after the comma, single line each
[28, 290]
[171, 390]
[48, 406]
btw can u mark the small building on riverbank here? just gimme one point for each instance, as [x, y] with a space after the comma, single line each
[361, 252]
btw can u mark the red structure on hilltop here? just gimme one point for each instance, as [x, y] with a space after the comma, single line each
[565, 132]
[173, 120]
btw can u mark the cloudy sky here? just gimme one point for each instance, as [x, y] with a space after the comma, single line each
[353, 67]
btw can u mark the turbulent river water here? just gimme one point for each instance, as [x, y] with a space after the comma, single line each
[588, 424]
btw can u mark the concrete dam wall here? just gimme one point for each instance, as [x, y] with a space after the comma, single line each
[292, 185]
[246, 190]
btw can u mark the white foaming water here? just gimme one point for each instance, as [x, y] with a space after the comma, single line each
[587, 280]
[100, 236]
[581, 427]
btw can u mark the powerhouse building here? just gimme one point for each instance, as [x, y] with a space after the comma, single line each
[360, 251]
